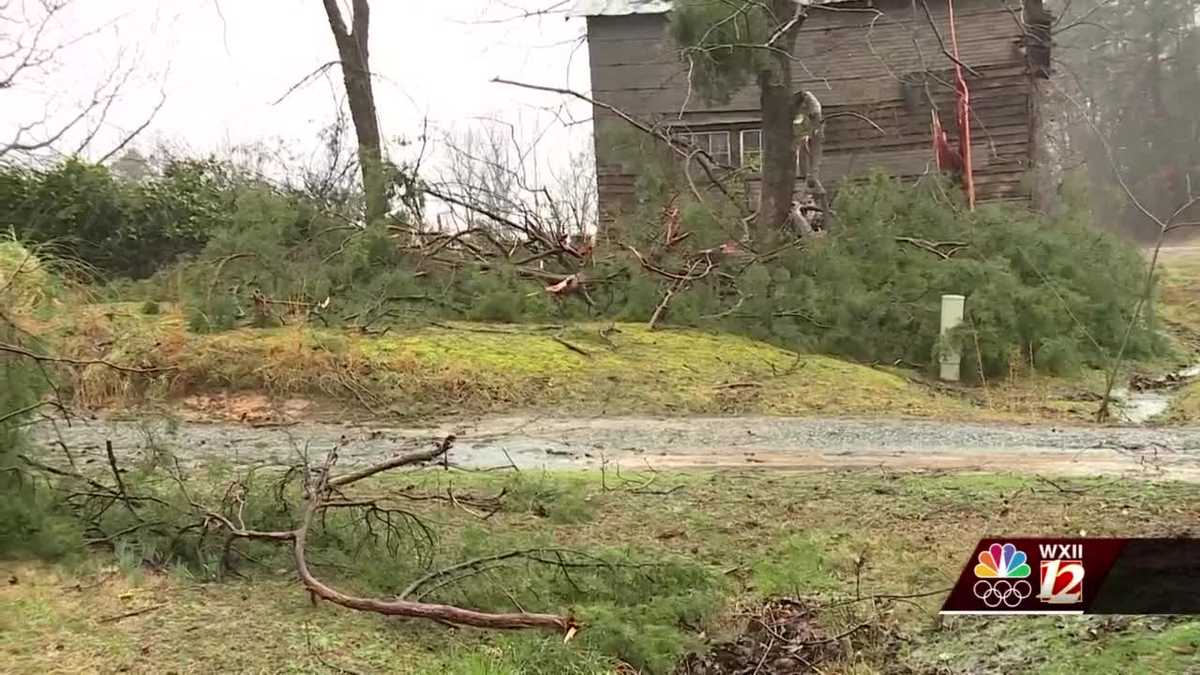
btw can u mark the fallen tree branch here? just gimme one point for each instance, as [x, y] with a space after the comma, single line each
[122, 493]
[321, 493]
[133, 613]
[420, 610]
[28, 409]
[403, 460]
[466, 564]
[575, 348]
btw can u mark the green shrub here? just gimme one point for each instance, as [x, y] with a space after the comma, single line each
[33, 520]
[1056, 294]
[119, 227]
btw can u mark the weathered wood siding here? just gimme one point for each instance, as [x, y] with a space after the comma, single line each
[855, 61]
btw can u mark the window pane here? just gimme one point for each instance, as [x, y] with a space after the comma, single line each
[719, 146]
[751, 147]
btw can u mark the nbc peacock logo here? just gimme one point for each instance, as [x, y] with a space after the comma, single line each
[1002, 562]
[1002, 571]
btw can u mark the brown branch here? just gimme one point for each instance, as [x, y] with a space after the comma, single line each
[316, 72]
[677, 276]
[403, 460]
[122, 493]
[419, 610]
[137, 131]
[671, 291]
[468, 564]
[29, 408]
[575, 348]
[677, 146]
[212, 285]
[14, 349]
[132, 613]
[66, 474]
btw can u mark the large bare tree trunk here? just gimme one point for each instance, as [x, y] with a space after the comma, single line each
[356, 72]
[778, 114]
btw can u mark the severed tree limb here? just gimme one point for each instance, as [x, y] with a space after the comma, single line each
[468, 564]
[122, 493]
[66, 474]
[27, 409]
[419, 610]
[671, 291]
[320, 486]
[402, 460]
[808, 102]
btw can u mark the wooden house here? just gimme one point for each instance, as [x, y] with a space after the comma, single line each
[878, 67]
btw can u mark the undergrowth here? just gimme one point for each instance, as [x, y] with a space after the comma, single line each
[641, 606]
[1047, 293]
[1050, 295]
[30, 522]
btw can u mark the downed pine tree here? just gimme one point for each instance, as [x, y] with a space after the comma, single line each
[322, 491]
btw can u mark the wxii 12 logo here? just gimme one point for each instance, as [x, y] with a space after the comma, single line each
[1061, 574]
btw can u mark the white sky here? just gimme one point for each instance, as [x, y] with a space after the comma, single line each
[223, 62]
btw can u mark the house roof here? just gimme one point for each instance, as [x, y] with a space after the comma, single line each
[619, 7]
[626, 7]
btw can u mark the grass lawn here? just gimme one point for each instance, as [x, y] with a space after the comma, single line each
[827, 537]
[462, 368]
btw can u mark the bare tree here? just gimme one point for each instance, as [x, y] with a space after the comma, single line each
[1127, 78]
[354, 55]
[29, 52]
[327, 174]
[493, 183]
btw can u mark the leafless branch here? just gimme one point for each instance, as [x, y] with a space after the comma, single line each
[20, 351]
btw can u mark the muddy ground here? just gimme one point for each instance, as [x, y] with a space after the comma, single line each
[660, 443]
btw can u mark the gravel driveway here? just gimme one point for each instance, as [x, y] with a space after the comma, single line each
[793, 443]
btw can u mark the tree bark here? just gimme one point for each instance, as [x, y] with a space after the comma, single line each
[778, 115]
[810, 105]
[356, 73]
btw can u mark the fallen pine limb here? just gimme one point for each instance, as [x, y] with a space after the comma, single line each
[136, 612]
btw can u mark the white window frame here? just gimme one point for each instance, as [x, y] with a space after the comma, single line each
[742, 145]
[693, 137]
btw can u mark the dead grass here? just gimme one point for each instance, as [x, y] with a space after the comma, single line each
[1185, 408]
[1179, 293]
[600, 369]
[588, 368]
[1180, 308]
[60, 622]
[821, 535]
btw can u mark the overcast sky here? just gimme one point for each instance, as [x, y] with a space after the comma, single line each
[222, 63]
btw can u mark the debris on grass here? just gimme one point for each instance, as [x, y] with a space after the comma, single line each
[782, 637]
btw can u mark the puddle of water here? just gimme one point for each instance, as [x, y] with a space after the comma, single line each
[1143, 406]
